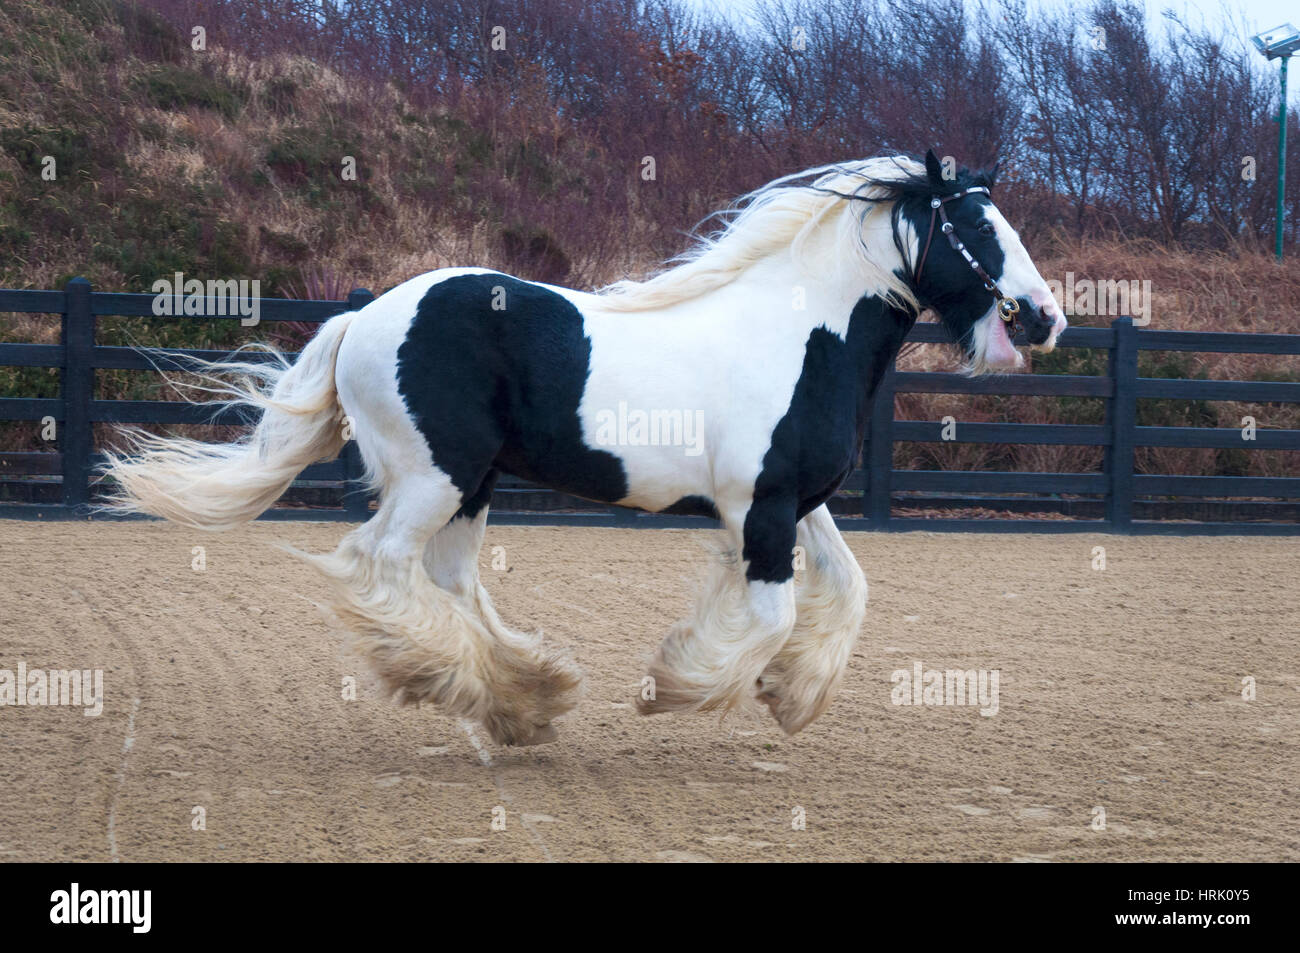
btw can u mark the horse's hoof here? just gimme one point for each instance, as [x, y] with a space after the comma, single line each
[662, 704]
[650, 706]
[766, 690]
[792, 719]
[541, 735]
[667, 696]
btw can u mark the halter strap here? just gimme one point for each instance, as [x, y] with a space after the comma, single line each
[1008, 308]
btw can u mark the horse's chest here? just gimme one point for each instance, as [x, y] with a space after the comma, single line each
[826, 449]
[814, 444]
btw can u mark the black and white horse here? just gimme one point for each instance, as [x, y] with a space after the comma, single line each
[736, 383]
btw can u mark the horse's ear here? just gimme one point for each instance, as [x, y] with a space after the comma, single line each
[934, 169]
[992, 174]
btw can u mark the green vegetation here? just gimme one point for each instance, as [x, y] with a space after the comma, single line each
[178, 87]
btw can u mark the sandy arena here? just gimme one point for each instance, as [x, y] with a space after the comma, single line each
[1119, 689]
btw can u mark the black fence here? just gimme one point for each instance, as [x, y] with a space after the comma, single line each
[60, 484]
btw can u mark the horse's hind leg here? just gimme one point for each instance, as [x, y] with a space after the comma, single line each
[532, 684]
[423, 643]
[800, 682]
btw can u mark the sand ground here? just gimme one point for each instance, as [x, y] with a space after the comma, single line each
[1119, 689]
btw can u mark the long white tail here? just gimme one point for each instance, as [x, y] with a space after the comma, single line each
[219, 486]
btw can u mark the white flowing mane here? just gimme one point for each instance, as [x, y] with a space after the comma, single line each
[783, 214]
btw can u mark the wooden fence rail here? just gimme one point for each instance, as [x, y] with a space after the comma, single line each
[1117, 499]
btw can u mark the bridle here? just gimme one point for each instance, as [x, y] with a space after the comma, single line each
[1008, 308]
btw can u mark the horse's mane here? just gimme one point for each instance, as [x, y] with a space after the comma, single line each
[784, 214]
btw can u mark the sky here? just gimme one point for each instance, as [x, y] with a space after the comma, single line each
[1258, 15]
[1240, 18]
[1243, 18]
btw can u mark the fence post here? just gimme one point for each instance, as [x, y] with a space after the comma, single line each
[1121, 413]
[880, 452]
[625, 516]
[77, 388]
[356, 498]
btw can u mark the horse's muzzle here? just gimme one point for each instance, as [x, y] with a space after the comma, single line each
[1038, 324]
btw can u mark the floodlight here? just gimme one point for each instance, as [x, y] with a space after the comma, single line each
[1280, 41]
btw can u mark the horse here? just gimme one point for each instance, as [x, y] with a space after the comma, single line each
[771, 334]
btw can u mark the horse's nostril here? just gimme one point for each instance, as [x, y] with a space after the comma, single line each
[1039, 328]
[1037, 323]
[1035, 316]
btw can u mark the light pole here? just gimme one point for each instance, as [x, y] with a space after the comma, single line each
[1278, 44]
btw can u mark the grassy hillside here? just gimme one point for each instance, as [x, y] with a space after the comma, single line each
[173, 160]
[218, 165]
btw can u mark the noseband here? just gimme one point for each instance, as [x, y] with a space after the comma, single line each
[1008, 308]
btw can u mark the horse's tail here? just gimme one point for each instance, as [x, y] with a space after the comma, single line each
[219, 486]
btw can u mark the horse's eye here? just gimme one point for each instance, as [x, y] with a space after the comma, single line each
[987, 229]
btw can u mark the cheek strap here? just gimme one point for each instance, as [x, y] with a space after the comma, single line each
[1008, 308]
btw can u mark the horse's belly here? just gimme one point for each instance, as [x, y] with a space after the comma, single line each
[669, 488]
[652, 482]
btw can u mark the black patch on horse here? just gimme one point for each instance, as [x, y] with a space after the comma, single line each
[479, 499]
[816, 443]
[693, 505]
[500, 388]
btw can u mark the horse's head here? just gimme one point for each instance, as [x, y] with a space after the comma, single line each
[970, 267]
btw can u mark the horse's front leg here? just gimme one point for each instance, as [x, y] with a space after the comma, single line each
[742, 618]
[831, 599]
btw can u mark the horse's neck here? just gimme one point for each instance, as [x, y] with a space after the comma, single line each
[876, 332]
[782, 290]
[787, 297]
[787, 293]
